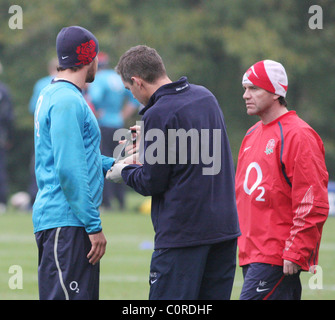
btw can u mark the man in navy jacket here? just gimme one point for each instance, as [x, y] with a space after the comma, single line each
[188, 170]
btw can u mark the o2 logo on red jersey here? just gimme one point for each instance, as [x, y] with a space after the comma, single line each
[256, 186]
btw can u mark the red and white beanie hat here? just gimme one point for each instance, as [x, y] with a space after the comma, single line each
[268, 75]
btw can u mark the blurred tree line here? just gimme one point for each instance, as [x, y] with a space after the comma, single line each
[212, 42]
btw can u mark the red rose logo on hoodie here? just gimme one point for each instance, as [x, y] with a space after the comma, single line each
[86, 52]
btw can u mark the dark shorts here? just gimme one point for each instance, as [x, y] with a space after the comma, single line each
[267, 282]
[201, 272]
[64, 272]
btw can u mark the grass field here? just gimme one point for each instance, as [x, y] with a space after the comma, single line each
[125, 266]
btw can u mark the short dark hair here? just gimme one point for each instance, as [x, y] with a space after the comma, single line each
[141, 61]
[282, 101]
[74, 69]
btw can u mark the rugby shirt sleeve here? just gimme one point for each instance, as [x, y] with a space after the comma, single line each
[107, 163]
[305, 166]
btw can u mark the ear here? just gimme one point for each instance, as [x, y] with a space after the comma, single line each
[276, 97]
[138, 81]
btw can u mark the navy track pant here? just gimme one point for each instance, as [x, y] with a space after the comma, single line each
[193, 273]
[267, 282]
[64, 272]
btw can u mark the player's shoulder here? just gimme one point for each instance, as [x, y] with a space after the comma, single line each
[63, 95]
[200, 88]
[64, 91]
[297, 128]
[292, 122]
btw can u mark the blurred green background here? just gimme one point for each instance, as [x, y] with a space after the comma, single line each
[212, 42]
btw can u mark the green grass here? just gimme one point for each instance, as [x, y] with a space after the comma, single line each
[125, 266]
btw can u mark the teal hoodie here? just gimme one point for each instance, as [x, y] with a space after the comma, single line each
[69, 167]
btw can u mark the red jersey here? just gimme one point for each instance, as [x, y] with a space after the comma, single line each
[281, 193]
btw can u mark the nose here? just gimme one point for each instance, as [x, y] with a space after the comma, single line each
[246, 94]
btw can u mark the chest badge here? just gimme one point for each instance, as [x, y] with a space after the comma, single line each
[270, 146]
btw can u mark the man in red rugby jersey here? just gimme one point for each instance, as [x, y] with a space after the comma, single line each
[281, 189]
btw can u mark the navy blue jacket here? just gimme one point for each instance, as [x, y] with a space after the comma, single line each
[189, 207]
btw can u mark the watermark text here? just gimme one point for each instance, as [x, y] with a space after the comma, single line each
[316, 20]
[16, 20]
